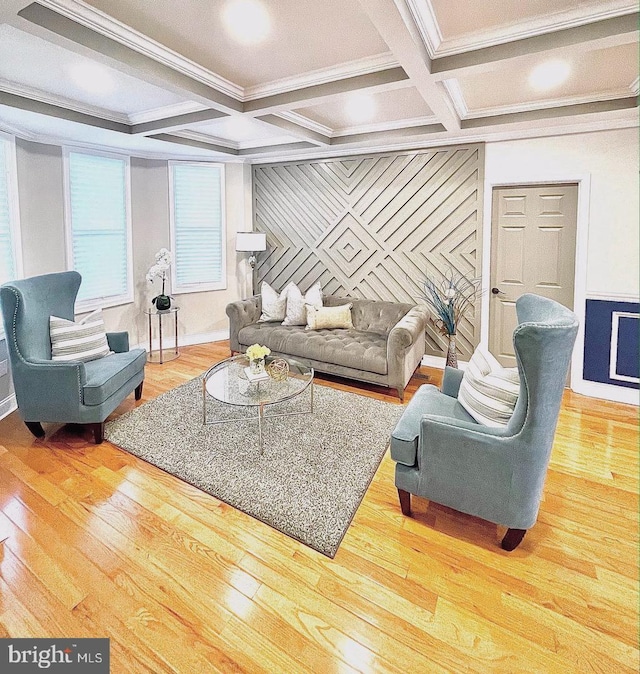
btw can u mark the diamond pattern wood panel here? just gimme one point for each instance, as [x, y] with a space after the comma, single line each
[371, 226]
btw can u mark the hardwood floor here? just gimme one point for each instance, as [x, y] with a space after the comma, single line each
[94, 542]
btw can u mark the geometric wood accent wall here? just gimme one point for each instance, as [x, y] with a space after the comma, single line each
[372, 226]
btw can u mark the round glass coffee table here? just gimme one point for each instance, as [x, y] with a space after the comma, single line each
[228, 383]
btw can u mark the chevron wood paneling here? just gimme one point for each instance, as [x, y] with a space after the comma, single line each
[372, 226]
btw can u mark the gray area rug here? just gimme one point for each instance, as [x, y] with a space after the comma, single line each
[313, 473]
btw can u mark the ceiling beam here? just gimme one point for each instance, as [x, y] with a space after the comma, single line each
[177, 122]
[179, 140]
[320, 93]
[395, 25]
[295, 129]
[408, 133]
[598, 35]
[124, 58]
[51, 110]
[275, 149]
[551, 113]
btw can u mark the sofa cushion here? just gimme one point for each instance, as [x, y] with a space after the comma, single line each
[349, 348]
[329, 317]
[297, 304]
[107, 375]
[274, 305]
[85, 340]
[426, 400]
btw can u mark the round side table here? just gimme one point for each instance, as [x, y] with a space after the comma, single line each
[162, 355]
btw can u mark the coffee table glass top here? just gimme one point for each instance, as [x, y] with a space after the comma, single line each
[227, 382]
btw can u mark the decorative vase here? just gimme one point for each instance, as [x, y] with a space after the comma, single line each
[162, 302]
[452, 355]
[256, 365]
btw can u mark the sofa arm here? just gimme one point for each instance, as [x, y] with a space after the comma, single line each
[451, 381]
[242, 313]
[118, 341]
[405, 347]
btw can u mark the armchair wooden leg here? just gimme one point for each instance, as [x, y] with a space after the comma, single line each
[36, 428]
[512, 539]
[138, 392]
[405, 502]
[98, 432]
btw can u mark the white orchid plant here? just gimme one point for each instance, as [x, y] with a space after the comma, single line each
[160, 269]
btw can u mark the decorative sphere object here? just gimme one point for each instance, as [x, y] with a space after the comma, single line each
[278, 369]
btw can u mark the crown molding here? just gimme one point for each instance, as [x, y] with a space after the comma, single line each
[342, 71]
[206, 138]
[61, 101]
[106, 25]
[385, 126]
[547, 104]
[424, 17]
[305, 122]
[438, 46]
[453, 88]
[165, 112]
[634, 86]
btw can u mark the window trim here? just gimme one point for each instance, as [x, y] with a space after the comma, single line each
[84, 306]
[15, 228]
[198, 287]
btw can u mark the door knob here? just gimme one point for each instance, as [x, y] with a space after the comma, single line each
[497, 291]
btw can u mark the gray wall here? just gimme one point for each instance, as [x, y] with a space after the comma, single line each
[202, 315]
[372, 226]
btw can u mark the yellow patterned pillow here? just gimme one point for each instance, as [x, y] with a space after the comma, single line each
[329, 317]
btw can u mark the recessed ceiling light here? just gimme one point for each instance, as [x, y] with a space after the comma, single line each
[92, 77]
[361, 108]
[549, 74]
[246, 20]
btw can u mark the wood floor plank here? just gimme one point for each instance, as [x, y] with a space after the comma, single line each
[96, 542]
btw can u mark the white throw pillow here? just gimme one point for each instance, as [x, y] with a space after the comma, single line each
[85, 340]
[273, 305]
[488, 391]
[329, 317]
[296, 313]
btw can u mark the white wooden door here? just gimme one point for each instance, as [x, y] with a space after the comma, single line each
[533, 240]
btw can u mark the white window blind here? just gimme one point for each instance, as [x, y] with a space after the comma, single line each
[197, 227]
[98, 220]
[8, 262]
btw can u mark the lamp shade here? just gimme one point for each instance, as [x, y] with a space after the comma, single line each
[251, 242]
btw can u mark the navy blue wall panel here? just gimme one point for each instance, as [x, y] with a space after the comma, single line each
[598, 344]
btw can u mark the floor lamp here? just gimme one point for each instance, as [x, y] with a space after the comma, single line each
[251, 242]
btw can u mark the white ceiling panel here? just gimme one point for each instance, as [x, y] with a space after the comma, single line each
[595, 75]
[388, 107]
[35, 64]
[306, 35]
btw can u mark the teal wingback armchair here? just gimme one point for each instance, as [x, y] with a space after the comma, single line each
[497, 474]
[57, 391]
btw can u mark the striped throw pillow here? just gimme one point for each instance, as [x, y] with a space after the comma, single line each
[488, 391]
[85, 340]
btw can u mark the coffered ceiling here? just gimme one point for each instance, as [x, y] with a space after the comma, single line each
[319, 78]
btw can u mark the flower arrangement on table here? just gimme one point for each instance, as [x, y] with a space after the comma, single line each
[159, 270]
[256, 353]
[450, 296]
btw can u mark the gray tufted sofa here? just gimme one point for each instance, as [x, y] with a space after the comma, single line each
[384, 347]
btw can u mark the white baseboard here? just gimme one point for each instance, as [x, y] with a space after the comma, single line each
[186, 340]
[7, 406]
[618, 394]
[440, 362]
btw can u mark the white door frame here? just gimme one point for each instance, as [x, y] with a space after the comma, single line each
[528, 177]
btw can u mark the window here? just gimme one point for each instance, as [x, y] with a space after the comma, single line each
[10, 253]
[99, 227]
[197, 226]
